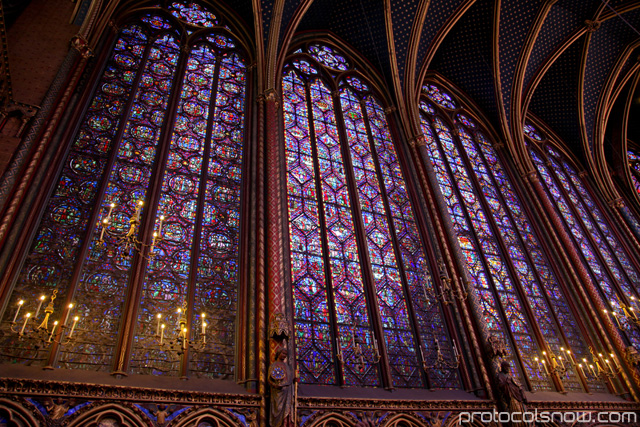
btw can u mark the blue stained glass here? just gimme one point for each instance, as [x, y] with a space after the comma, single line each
[329, 57]
[439, 96]
[445, 156]
[128, 140]
[193, 13]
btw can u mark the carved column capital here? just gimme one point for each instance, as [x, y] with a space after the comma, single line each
[616, 203]
[531, 176]
[279, 327]
[79, 43]
[418, 141]
[390, 110]
[496, 346]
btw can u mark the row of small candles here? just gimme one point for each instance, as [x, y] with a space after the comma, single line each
[134, 221]
[48, 311]
[549, 360]
[181, 327]
[628, 312]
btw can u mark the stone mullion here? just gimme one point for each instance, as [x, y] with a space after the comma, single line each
[591, 298]
[453, 259]
[279, 323]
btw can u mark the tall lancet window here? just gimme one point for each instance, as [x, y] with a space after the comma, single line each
[520, 297]
[604, 254]
[137, 249]
[365, 305]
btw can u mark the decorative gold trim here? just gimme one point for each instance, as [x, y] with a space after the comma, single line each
[279, 326]
[28, 387]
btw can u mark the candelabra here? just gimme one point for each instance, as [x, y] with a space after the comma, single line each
[128, 240]
[447, 295]
[359, 354]
[40, 335]
[440, 361]
[598, 366]
[628, 319]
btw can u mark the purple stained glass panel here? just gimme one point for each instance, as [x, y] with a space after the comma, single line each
[49, 266]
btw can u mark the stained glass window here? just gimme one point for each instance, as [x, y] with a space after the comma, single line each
[141, 234]
[634, 164]
[521, 300]
[364, 297]
[603, 256]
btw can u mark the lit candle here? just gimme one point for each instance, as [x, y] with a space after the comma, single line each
[455, 349]
[204, 325]
[52, 330]
[24, 325]
[204, 336]
[615, 360]
[615, 316]
[608, 365]
[570, 357]
[633, 313]
[111, 206]
[75, 321]
[184, 339]
[593, 372]
[159, 316]
[561, 362]
[138, 209]
[18, 310]
[153, 241]
[179, 311]
[105, 223]
[161, 333]
[67, 316]
[160, 225]
[580, 369]
[42, 297]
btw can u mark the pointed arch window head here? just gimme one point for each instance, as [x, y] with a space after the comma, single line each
[520, 298]
[532, 132]
[159, 153]
[611, 268]
[439, 96]
[366, 312]
[193, 13]
[329, 57]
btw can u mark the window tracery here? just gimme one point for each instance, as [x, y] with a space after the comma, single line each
[184, 164]
[521, 300]
[614, 271]
[363, 293]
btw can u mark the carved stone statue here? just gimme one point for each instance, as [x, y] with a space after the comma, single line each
[496, 346]
[281, 380]
[510, 392]
[161, 414]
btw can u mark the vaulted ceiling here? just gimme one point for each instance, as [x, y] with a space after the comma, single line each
[563, 61]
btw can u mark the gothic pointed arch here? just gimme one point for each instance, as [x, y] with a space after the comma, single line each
[366, 310]
[14, 414]
[137, 253]
[109, 415]
[604, 253]
[521, 297]
[207, 417]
